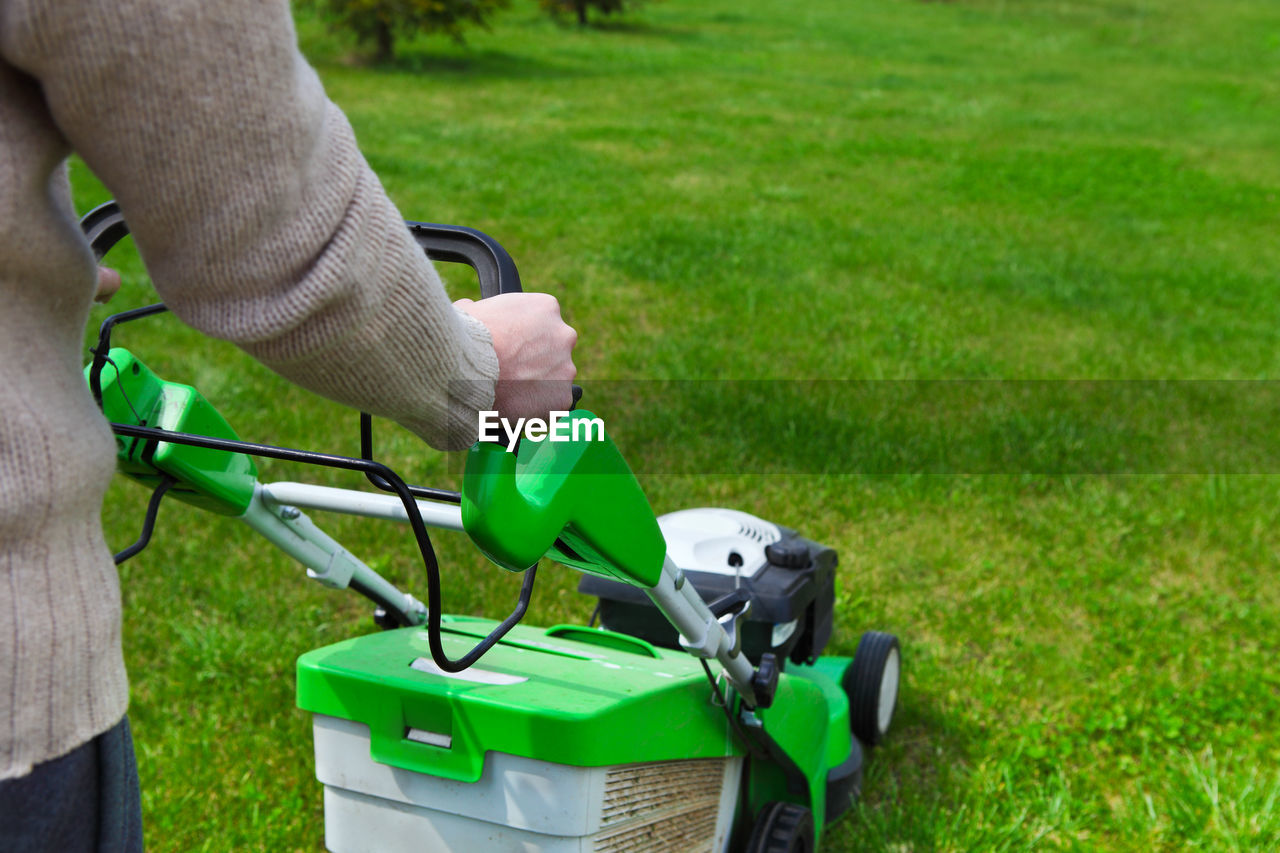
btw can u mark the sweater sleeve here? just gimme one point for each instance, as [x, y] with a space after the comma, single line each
[254, 211]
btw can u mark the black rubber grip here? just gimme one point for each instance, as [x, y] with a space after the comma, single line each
[461, 245]
[104, 226]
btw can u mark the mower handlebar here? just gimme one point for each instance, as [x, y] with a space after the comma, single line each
[104, 226]
[458, 244]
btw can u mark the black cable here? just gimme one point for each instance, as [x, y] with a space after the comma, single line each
[728, 711]
[366, 452]
[123, 394]
[104, 343]
[148, 521]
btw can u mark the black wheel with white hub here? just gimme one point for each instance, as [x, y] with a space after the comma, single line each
[871, 683]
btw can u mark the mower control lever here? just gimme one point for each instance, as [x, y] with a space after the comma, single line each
[730, 601]
[731, 611]
[732, 624]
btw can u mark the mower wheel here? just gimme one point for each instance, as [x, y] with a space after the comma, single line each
[782, 828]
[872, 686]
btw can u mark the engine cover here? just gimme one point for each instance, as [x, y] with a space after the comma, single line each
[790, 581]
[718, 541]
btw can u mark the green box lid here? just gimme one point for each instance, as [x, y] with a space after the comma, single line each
[567, 694]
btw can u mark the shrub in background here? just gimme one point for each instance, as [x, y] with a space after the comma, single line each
[580, 7]
[381, 22]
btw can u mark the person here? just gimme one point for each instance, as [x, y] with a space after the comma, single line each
[259, 223]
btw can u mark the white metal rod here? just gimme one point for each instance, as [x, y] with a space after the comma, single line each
[701, 631]
[367, 504]
[323, 557]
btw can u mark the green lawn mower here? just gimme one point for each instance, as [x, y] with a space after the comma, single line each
[701, 714]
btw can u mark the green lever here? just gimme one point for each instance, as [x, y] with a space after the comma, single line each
[574, 500]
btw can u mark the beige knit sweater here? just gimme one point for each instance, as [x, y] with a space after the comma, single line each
[259, 222]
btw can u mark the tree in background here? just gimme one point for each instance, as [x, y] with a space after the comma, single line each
[579, 7]
[380, 22]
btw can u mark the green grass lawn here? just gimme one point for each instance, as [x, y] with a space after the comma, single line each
[857, 190]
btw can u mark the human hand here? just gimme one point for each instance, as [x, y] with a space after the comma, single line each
[534, 347]
[108, 284]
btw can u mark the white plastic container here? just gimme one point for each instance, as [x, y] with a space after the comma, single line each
[520, 804]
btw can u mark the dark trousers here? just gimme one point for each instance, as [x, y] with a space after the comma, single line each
[86, 801]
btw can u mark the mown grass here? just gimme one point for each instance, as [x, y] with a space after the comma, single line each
[856, 190]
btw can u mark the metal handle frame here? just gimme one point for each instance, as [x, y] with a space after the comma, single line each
[104, 227]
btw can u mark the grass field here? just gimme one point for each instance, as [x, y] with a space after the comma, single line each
[885, 190]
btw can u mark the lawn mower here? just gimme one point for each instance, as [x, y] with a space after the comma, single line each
[699, 715]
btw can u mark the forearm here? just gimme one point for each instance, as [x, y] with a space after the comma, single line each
[257, 217]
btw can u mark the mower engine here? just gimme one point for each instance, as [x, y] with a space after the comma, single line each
[788, 581]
